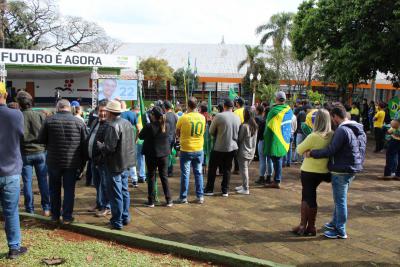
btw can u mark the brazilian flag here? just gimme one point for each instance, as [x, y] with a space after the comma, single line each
[278, 130]
[308, 126]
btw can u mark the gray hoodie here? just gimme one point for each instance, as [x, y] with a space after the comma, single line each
[247, 142]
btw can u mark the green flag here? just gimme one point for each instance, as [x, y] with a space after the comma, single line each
[232, 94]
[394, 106]
[207, 137]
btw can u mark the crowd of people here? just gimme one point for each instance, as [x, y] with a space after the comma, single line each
[124, 147]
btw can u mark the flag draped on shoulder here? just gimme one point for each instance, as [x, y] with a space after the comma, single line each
[308, 125]
[278, 131]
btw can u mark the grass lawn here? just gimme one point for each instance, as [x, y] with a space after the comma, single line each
[79, 250]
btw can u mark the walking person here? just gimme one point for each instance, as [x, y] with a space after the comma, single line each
[225, 129]
[156, 148]
[64, 137]
[33, 155]
[99, 172]
[346, 152]
[12, 130]
[379, 120]
[119, 152]
[190, 129]
[313, 172]
[277, 135]
[247, 142]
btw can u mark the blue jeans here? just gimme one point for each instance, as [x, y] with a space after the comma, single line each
[340, 186]
[277, 162]
[132, 174]
[196, 160]
[288, 158]
[265, 162]
[117, 184]
[392, 158]
[299, 138]
[100, 182]
[37, 161]
[67, 179]
[9, 197]
[141, 169]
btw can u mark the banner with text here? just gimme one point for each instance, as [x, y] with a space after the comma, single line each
[122, 89]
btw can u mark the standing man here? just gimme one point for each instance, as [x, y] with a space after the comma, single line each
[64, 137]
[33, 155]
[119, 154]
[191, 128]
[11, 132]
[171, 119]
[379, 120]
[97, 130]
[278, 129]
[346, 152]
[225, 129]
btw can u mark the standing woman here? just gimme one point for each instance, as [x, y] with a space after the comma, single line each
[156, 148]
[313, 172]
[247, 142]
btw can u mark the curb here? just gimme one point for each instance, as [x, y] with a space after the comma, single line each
[160, 245]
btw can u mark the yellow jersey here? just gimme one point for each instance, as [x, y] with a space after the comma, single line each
[240, 112]
[379, 118]
[192, 127]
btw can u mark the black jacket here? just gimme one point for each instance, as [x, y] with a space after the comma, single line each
[118, 147]
[64, 137]
[156, 143]
[33, 121]
[97, 157]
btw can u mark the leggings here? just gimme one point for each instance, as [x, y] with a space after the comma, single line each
[310, 181]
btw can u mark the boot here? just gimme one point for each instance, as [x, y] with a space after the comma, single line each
[301, 228]
[311, 218]
[261, 180]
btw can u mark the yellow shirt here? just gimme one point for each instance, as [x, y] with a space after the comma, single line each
[240, 112]
[314, 141]
[380, 117]
[355, 111]
[192, 127]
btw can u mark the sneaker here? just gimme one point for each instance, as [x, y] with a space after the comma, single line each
[243, 192]
[149, 205]
[68, 221]
[46, 213]
[170, 203]
[141, 180]
[329, 226]
[238, 188]
[225, 194]
[135, 185]
[200, 200]
[209, 194]
[15, 253]
[261, 180]
[182, 201]
[332, 234]
[272, 185]
[103, 213]
[268, 179]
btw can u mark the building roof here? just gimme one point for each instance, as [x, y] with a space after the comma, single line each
[212, 60]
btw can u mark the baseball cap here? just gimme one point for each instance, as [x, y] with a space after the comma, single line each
[3, 90]
[75, 104]
[228, 103]
[280, 95]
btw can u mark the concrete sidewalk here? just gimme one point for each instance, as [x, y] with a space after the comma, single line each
[259, 225]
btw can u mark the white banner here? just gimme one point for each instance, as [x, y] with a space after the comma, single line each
[49, 58]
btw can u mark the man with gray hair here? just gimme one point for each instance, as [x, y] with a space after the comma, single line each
[64, 136]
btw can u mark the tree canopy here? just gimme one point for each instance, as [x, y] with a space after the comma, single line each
[354, 38]
[157, 70]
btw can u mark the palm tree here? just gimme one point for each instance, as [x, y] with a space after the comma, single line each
[251, 58]
[277, 28]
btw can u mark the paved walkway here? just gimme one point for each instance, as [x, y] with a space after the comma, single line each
[258, 225]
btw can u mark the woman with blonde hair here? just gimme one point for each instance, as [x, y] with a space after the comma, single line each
[313, 172]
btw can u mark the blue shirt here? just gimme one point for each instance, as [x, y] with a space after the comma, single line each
[130, 116]
[11, 132]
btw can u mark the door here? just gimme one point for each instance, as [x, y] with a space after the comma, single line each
[30, 88]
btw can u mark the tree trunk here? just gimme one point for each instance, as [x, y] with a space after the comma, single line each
[310, 76]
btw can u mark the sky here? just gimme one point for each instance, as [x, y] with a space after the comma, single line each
[179, 21]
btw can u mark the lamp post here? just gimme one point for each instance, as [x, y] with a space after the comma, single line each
[258, 86]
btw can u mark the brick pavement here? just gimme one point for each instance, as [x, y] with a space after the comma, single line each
[258, 225]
